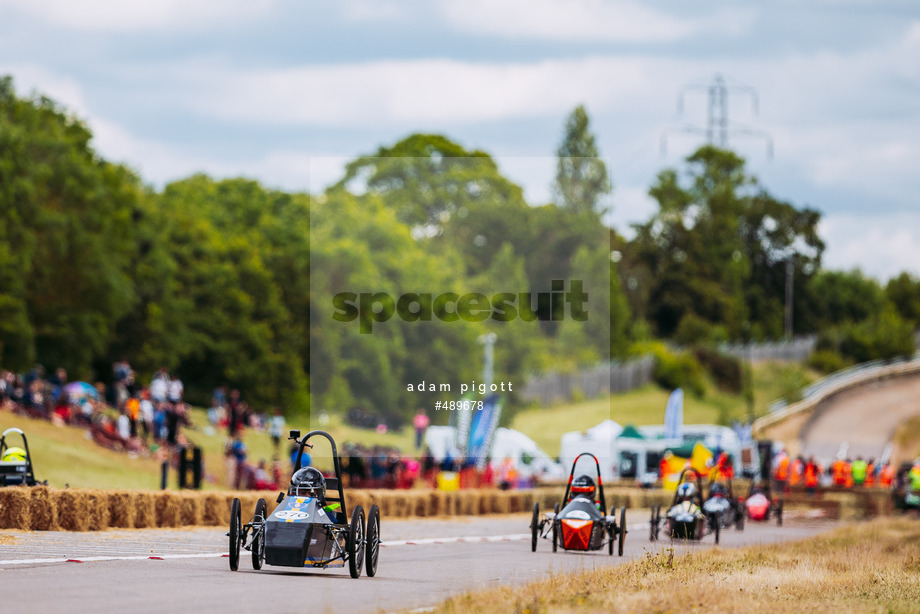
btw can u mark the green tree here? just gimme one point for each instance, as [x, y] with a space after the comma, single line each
[844, 296]
[715, 248]
[903, 292]
[360, 246]
[581, 175]
[427, 179]
[65, 237]
[883, 335]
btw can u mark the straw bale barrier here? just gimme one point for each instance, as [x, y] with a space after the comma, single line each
[51, 509]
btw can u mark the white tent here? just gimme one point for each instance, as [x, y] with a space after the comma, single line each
[598, 440]
[441, 440]
[607, 428]
[527, 457]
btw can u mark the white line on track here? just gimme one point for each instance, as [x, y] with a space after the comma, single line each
[92, 559]
[204, 555]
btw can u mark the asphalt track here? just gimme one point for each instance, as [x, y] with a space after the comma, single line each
[422, 563]
[865, 418]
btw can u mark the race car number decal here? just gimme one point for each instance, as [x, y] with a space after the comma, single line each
[292, 515]
[580, 514]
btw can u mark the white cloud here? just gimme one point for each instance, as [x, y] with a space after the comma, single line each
[372, 10]
[581, 20]
[122, 16]
[882, 245]
[415, 92]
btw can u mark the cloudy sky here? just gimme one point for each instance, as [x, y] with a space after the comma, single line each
[286, 90]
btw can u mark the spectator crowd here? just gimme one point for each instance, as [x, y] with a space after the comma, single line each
[124, 416]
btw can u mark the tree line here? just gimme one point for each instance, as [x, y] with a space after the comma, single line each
[228, 281]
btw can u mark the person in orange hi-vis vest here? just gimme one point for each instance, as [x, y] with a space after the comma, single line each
[796, 469]
[886, 476]
[870, 474]
[781, 472]
[840, 472]
[812, 471]
[848, 474]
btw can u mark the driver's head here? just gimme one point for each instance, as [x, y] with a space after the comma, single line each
[584, 486]
[718, 490]
[308, 482]
[686, 491]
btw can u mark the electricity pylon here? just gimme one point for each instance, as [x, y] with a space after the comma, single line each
[718, 126]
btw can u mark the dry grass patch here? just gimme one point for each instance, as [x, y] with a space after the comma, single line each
[867, 567]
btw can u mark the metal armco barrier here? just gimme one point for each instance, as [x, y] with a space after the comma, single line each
[834, 383]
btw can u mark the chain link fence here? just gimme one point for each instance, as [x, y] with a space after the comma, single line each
[797, 350]
[555, 387]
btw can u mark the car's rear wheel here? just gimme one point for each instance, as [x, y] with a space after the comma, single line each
[258, 537]
[555, 526]
[372, 543]
[739, 516]
[356, 542]
[534, 527]
[779, 515]
[653, 525]
[611, 530]
[623, 531]
[717, 527]
[235, 533]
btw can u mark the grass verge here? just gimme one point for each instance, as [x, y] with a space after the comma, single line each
[646, 406]
[866, 567]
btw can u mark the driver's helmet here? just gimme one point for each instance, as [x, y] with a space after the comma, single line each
[15, 455]
[308, 482]
[584, 486]
[718, 490]
[686, 491]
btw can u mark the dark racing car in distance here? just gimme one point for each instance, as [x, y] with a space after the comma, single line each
[310, 527]
[721, 503]
[581, 524]
[686, 518]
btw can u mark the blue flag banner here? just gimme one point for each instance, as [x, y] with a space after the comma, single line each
[461, 420]
[674, 415]
[483, 423]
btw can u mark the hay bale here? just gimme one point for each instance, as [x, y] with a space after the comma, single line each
[122, 509]
[469, 503]
[435, 503]
[452, 503]
[516, 502]
[420, 504]
[74, 509]
[502, 502]
[168, 511]
[15, 512]
[216, 512]
[42, 510]
[145, 510]
[98, 510]
[191, 512]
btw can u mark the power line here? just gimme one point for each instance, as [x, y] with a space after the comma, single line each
[718, 125]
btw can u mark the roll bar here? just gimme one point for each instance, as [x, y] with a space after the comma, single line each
[600, 483]
[337, 467]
